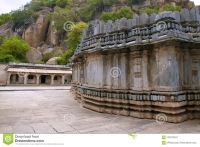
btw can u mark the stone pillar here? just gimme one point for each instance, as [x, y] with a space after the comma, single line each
[123, 65]
[131, 67]
[25, 79]
[85, 70]
[81, 73]
[109, 66]
[194, 67]
[104, 69]
[137, 70]
[37, 79]
[8, 78]
[155, 70]
[63, 79]
[115, 71]
[52, 79]
[145, 70]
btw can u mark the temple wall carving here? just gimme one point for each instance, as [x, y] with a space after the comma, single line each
[141, 66]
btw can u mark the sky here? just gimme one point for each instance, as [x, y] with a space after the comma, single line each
[7, 5]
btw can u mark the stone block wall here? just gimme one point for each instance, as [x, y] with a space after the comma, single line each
[3, 75]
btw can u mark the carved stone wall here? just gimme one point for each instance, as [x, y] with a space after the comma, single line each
[145, 66]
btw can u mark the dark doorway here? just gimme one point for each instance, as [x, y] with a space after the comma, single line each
[43, 79]
[17, 78]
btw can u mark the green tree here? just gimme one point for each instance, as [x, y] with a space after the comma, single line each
[49, 3]
[149, 10]
[47, 56]
[34, 5]
[13, 49]
[73, 40]
[61, 3]
[135, 1]
[170, 7]
[23, 17]
[85, 13]
[4, 18]
[123, 12]
[61, 16]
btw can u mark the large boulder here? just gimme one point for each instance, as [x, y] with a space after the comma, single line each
[52, 61]
[36, 32]
[53, 37]
[49, 50]
[34, 55]
[6, 29]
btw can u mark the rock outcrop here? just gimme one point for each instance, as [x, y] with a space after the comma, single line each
[34, 55]
[52, 61]
[36, 33]
[6, 29]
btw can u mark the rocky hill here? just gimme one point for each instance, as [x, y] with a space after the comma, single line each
[40, 35]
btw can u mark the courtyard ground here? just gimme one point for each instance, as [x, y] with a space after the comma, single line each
[54, 110]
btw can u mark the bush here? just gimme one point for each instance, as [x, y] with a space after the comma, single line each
[39, 62]
[47, 56]
[4, 18]
[135, 1]
[62, 3]
[85, 13]
[149, 10]
[7, 58]
[49, 3]
[114, 15]
[170, 7]
[61, 16]
[13, 49]
[35, 5]
[22, 17]
[73, 40]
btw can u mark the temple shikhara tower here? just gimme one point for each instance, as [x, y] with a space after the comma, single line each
[144, 67]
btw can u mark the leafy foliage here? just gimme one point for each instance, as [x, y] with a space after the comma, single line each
[47, 56]
[49, 3]
[155, 9]
[60, 16]
[149, 10]
[114, 15]
[13, 49]
[23, 17]
[170, 7]
[135, 1]
[73, 40]
[62, 3]
[4, 18]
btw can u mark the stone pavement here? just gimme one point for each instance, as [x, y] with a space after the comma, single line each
[56, 111]
[31, 88]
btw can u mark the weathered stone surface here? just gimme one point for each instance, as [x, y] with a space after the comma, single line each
[152, 18]
[136, 20]
[138, 70]
[34, 55]
[185, 15]
[144, 19]
[36, 33]
[52, 61]
[194, 13]
[49, 50]
[3, 74]
[177, 16]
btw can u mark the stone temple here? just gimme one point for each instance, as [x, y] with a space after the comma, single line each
[145, 67]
